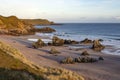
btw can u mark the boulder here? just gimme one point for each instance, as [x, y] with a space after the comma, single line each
[68, 60]
[78, 60]
[70, 42]
[85, 53]
[97, 46]
[38, 44]
[86, 41]
[85, 60]
[57, 41]
[101, 40]
[67, 41]
[101, 58]
[54, 51]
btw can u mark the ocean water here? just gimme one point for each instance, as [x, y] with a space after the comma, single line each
[109, 32]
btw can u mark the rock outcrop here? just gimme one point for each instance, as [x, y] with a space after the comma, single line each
[45, 30]
[70, 42]
[38, 44]
[68, 60]
[86, 59]
[85, 53]
[54, 51]
[86, 41]
[57, 41]
[97, 46]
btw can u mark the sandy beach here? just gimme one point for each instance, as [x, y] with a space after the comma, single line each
[102, 70]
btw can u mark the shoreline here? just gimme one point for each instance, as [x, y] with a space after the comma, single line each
[102, 70]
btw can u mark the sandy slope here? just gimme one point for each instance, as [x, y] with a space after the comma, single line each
[102, 70]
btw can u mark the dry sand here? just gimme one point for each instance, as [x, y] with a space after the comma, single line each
[102, 70]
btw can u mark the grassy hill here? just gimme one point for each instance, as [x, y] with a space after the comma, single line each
[37, 21]
[13, 25]
[14, 66]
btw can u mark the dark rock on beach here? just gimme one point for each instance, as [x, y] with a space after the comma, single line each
[70, 42]
[38, 44]
[85, 53]
[97, 46]
[54, 51]
[57, 41]
[68, 60]
[86, 41]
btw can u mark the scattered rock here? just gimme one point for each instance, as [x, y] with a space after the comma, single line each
[85, 53]
[78, 60]
[49, 44]
[57, 41]
[68, 60]
[38, 44]
[54, 51]
[97, 46]
[82, 59]
[85, 60]
[67, 41]
[70, 42]
[101, 40]
[86, 41]
[101, 58]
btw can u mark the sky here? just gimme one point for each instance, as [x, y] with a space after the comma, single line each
[64, 11]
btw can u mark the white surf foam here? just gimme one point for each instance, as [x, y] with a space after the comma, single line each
[44, 40]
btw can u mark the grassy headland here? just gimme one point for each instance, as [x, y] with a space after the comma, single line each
[14, 26]
[37, 21]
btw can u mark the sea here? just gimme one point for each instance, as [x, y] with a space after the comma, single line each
[109, 32]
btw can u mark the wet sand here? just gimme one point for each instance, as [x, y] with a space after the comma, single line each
[102, 70]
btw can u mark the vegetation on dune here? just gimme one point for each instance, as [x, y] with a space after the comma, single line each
[14, 69]
[14, 66]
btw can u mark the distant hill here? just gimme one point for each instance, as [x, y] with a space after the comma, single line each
[14, 66]
[37, 21]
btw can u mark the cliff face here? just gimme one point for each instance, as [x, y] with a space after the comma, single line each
[37, 21]
[13, 25]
